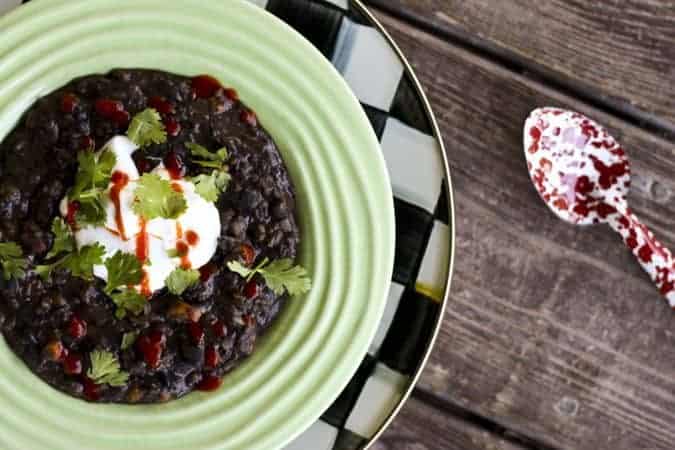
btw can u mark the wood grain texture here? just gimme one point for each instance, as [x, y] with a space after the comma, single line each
[420, 426]
[551, 331]
[623, 50]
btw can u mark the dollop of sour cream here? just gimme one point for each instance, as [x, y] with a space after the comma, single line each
[161, 245]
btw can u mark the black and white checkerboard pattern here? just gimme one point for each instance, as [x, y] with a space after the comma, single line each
[378, 78]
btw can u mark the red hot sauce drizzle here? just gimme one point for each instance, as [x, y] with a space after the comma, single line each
[119, 181]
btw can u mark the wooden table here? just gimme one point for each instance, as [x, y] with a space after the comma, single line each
[553, 336]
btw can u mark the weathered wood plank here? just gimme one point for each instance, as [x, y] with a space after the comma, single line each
[420, 426]
[623, 50]
[552, 331]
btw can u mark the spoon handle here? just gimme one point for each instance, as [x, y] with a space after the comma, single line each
[655, 259]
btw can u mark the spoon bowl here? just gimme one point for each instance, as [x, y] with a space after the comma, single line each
[580, 171]
[583, 175]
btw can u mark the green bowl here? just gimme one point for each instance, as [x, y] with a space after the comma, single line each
[345, 212]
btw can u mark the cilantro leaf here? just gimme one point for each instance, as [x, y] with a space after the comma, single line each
[81, 263]
[123, 269]
[180, 279]
[280, 275]
[155, 198]
[209, 187]
[91, 180]
[146, 128]
[63, 239]
[128, 300]
[12, 261]
[208, 159]
[105, 369]
[128, 339]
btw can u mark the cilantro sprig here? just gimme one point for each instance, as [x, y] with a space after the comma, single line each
[92, 178]
[124, 270]
[80, 263]
[280, 275]
[12, 261]
[146, 128]
[210, 185]
[105, 369]
[128, 300]
[64, 241]
[181, 279]
[155, 198]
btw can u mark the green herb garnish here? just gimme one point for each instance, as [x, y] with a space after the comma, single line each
[91, 181]
[124, 269]
[80, 263]
[155, 198]
[146, 128]
[209, 186]
[180, 279]
[105, 369]
[12, 261]
[128, 300]
[64, 241]
[280, 275]
[128, 339]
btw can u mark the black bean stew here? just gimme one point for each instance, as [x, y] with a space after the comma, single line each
[178, 344]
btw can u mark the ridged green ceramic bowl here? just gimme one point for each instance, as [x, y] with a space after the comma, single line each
[345, 211]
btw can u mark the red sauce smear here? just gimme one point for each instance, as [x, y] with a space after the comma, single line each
[179, 231]
[142, 242]
[177, 188]
[192, 238]
[119, 180]
[145, 285]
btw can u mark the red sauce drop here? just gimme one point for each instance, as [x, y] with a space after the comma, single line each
[206, 271]
[184, 253]
[174, 165]
[247, 253]
[172, 127]
[211, 358]
[251, 290]
[161, 105]
[71, 215]
[177, 188]
[605, 210]
[77, 327]
[90, 389]
[119, 181]
[68, 103]
[247, 116]
[219, 329]
[631, 242]
[87, 143]
[204, 86]
[107, 108]
[179, 231]
[196, 333]
[142, 242]
[209, 383]
[72, 365]
[192, 238]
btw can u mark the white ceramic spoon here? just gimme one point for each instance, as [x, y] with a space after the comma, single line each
[583, 175]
